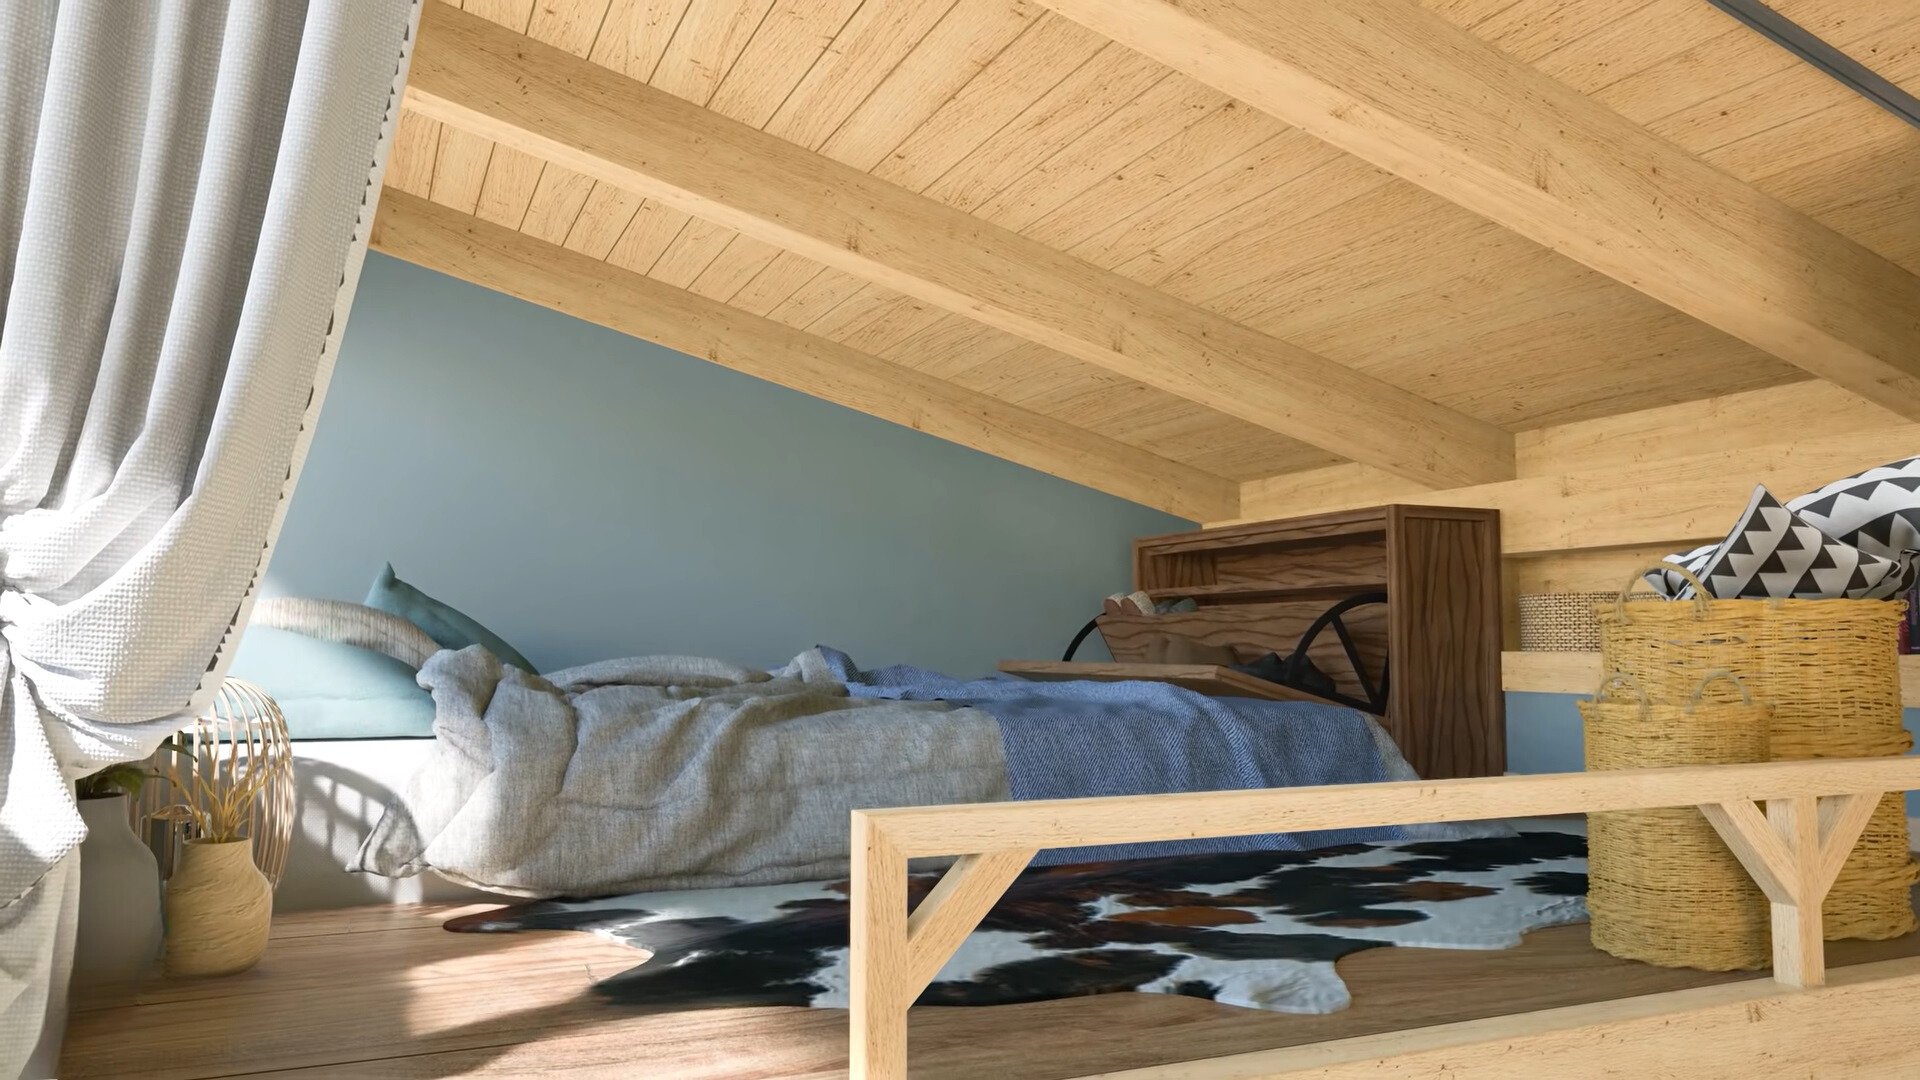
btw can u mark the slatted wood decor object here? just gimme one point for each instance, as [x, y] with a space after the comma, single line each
[1260, 586]
[1599, 266]
[1814, 812]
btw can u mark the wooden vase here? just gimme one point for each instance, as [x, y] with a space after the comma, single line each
[119, 929]
[219, 909]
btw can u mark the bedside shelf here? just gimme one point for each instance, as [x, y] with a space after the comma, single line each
[1260, 586]
[1249, 592]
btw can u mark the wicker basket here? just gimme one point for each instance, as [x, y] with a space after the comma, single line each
[1830, 669]
[1662, 887]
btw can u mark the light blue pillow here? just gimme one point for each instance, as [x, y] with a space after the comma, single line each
[330, 690]
[449, 627]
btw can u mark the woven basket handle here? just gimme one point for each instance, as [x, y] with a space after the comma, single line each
[1622, 679]
[1700, 692]
[1702, 604]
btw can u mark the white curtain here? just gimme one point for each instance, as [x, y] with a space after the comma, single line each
[185, 190]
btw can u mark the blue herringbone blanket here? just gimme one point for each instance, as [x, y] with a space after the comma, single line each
[1075, 739]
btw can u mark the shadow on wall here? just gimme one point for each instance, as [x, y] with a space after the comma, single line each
[341, 789]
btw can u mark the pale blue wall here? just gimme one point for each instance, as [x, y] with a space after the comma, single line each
[589, 495]
[1543, 733]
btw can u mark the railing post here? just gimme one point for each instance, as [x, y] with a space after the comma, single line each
[1799, 943]
[1794, 854]
[878, 956]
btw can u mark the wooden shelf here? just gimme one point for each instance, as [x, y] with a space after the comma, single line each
[1530, 672]
[1201, 678]
[1252, 591]
[1550, 672]
[1579, 673]
[1318, 530]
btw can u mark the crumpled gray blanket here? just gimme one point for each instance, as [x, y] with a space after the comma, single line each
[660, 773]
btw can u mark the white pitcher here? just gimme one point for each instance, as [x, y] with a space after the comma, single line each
[119, 932]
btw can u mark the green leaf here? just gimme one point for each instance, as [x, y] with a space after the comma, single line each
[124, 778]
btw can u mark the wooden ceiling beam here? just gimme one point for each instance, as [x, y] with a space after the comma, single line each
[494, 257]
[1404, 89]
[481, 78]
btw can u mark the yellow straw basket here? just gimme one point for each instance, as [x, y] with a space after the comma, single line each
[1662, 887]
[1830, 670]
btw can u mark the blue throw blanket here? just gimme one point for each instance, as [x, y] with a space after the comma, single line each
[1075, 739]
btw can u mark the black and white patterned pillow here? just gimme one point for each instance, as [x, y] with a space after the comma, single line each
[1675, 587]
[1774, 552]
[1876, 513]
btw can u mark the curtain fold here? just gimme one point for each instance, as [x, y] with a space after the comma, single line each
[185, 192]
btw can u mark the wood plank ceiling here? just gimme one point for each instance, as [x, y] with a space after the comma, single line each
[1012, 113]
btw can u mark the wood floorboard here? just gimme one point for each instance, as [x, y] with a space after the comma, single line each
[384, 994]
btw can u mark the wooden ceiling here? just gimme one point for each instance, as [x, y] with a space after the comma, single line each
[1069, 254]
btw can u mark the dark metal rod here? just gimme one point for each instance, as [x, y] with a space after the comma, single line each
[1849, 72]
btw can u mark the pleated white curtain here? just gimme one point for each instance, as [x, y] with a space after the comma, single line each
[185, 190]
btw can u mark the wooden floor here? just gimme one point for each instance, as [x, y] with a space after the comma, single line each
[384, 994]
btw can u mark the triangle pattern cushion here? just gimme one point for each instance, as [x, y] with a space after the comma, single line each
[1695, 562]
[1877, 511]
[1773, 552]
[448, 626]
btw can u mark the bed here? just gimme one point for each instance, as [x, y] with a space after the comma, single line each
[663, 773]
[715, 796]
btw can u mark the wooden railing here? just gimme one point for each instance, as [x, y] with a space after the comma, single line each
[1814, 812]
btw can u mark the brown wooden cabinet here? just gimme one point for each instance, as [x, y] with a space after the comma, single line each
[1260, 586]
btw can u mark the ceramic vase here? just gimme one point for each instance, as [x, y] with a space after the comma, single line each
[118, 935]
[219, 909]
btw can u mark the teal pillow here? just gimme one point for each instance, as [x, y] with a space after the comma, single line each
[447, 626]
[330, 690]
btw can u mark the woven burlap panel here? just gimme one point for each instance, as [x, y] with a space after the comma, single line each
[1830, 669]
[1560, 622]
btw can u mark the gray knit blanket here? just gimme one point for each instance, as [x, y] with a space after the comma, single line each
[661, 773]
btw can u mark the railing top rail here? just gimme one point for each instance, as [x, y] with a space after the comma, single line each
[983, 827]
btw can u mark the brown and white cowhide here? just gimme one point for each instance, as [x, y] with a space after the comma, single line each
[1256, 929]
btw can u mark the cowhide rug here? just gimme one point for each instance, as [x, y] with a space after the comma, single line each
[1256, 929]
